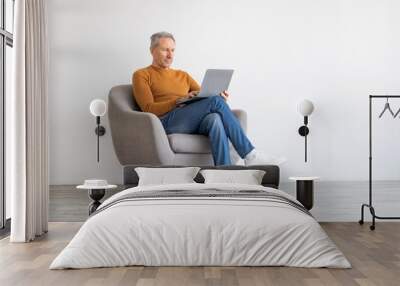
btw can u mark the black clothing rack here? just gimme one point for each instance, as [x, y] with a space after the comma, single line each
[370, 206]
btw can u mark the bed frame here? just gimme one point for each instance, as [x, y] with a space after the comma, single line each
[270, 179]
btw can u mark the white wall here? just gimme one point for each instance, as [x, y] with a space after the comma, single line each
[335, 53]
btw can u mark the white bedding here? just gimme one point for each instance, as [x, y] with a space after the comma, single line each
[200, 231]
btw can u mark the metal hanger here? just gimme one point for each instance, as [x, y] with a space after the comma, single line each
[397, 113]
[387, 107]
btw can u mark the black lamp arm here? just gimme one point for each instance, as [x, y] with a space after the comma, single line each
[303, 131]
[100, 131]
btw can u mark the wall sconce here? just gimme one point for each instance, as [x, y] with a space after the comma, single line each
[98, 108]
[305, 108]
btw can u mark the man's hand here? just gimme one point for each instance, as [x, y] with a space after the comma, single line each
[225, 95]
[193, 93]
[189, 95]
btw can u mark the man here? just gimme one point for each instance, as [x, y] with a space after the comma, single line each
[158, 88]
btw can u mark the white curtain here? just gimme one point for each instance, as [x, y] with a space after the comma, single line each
[26, 124]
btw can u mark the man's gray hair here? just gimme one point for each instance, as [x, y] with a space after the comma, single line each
[155, 38]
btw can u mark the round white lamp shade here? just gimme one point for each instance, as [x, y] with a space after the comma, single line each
[98, 107]
[306, 107]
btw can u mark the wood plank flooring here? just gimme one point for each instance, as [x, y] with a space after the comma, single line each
[68, 204]
[375, 257]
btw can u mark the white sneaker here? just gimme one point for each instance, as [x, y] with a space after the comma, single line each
[235, 158]
[259, 158]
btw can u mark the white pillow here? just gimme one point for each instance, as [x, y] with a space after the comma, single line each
[248, 177]
[163, 176]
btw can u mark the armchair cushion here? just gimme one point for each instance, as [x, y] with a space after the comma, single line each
[189, 143]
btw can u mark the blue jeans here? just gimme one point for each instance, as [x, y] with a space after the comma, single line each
[211, 117]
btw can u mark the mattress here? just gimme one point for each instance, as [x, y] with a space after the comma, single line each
[201, 225]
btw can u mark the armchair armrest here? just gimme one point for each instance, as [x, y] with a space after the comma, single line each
[241, 115]
[137, 136]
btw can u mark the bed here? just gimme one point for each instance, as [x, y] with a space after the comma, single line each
[198, 224]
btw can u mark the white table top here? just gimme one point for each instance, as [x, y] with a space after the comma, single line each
[303, 178]
[96, 187]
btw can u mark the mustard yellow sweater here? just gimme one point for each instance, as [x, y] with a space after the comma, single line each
[157, 89]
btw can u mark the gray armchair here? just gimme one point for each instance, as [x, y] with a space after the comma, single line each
[140, 139]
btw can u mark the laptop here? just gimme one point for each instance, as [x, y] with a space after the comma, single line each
[214, 82]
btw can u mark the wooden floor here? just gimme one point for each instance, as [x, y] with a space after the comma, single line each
[374, 255]
[68, 204]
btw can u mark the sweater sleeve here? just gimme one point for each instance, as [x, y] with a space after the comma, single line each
[193, 85]
[144, 96]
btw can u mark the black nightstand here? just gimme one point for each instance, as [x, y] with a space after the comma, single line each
[305, 190]
[96, 193]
